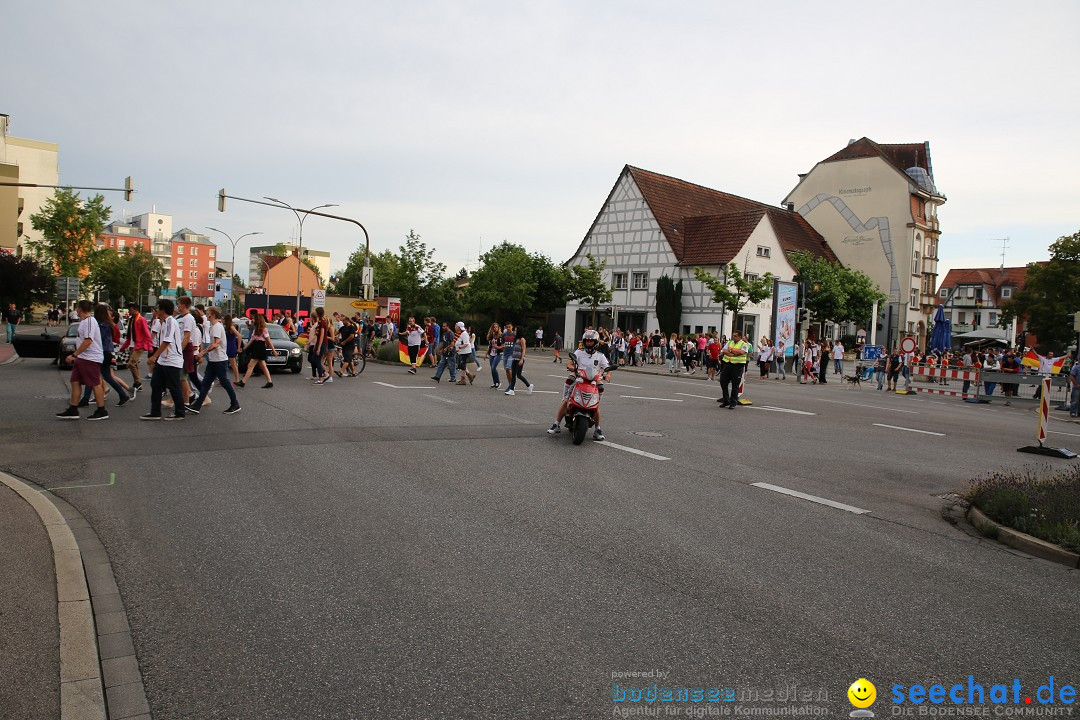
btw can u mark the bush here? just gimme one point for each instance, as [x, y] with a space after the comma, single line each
[388, 352]
[1036, 501]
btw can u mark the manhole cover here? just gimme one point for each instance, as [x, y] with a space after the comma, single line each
[644, 433]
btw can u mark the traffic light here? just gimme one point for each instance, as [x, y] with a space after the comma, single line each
[804, 315]
[221, 200]
[128, 188]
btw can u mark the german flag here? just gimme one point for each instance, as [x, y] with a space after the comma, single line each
[1059, 364]
[1031, 359]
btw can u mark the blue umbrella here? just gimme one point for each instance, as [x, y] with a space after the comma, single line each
[941, 336]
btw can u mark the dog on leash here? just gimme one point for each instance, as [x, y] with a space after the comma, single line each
[853, 381]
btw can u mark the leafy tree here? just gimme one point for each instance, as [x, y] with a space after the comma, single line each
[238, 284]
[419, 275]
[118, 273]
[69, 226]
[733, 289]
[1050, 296]
[668, 304]
[552, 281]
[836, 293]
[587, 284]
[181, 291]
[25, 281]
[503, 287]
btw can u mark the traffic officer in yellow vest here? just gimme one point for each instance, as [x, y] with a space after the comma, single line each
[733, 357]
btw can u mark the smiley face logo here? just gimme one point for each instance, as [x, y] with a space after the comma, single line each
[862, 693]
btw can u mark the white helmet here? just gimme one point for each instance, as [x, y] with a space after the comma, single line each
[586, 337]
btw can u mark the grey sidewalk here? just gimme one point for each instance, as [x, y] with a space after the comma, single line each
[30, 661]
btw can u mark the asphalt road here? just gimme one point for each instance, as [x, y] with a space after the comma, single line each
[389, 547]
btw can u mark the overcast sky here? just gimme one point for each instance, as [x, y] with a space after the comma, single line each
[475, 122]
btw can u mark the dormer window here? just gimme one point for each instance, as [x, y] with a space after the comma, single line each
[1006, 293]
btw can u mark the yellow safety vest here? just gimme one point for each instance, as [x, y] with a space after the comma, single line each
[737, 359]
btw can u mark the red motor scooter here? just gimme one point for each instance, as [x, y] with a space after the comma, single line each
[584, 402]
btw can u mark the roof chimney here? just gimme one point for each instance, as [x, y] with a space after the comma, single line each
[3, 125]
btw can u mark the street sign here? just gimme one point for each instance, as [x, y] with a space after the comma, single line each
[364, 304]
[318, 298]
[365, 276]
[907, 345]
[871, 352]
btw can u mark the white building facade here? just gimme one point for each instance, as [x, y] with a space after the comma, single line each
[653, 225]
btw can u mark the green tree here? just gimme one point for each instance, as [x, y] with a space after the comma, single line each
[733, 289]
[69, 225]
[125, 274]
[1050, 296]
[552, 281]
[834, 292]
[586, 283]
[25, 282]
[181, 291]
[503, 287]
[668, 304]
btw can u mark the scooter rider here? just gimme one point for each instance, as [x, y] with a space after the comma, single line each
[587, 356]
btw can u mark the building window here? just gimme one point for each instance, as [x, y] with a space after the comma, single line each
[179, 249]
[960, 318]
[211, 264]
[192, 286]
[914, 298]
[179, 273]
[915, 264]
[212, 253]
[763, 252]
[641, 281]
[210, 287]
[618, 281]
[944, 292]
[194, 274]
[210, 275]
[971, 293]
[1006, 293]
[193, 263]
[750, 277]
[993, 319]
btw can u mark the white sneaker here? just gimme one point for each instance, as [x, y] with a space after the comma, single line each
[554, 429]
[531, 389]
[509, 392]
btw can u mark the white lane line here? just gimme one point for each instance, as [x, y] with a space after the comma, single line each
[685, 382]
[514, 419]
[612, 384]
[539, 392]
[703, 397]
[639, 397]
[780, 409]
[402, 387]
[1058, 432]
[649, 455]
[897, 427]
[875, 407]
[441, 399]
[811, 498]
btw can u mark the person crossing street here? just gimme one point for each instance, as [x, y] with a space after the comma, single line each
[733, 359]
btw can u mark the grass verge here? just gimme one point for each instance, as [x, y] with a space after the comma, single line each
[1039, 502]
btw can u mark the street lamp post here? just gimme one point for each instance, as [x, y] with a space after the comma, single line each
[233, 262]
[265, 294]
[300, 248]
[138, 289]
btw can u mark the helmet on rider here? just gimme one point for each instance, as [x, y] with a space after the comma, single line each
[590, 340]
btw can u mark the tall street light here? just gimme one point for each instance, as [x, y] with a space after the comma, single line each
[233, 243]
[299, 249]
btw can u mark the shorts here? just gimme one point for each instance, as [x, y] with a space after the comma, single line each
[86, 373]
[189, 358]
[414, 351]
[508, 361]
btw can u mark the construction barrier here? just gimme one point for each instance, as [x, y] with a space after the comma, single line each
[934, 371]
[1044, 420]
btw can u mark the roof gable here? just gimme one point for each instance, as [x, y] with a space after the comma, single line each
[996, 277]
[900, 156]
[716, 239]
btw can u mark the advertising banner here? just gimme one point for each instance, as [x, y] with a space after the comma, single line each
[394, 310]
[785, 310]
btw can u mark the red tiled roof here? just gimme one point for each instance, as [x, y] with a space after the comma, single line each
[996, 277]
[901, 156]
[715, 239]
[671, 200]
[797, 235]
[272, 261]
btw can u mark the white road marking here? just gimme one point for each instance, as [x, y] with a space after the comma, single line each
[685, 382]
[514, 419]
[639, 397]
[402, 387]
[875, 407]
[897, 427]
[649, 455]
[612, 384]
[703, 397]
[811, 498]
[441, 399]
[1058, 432]
[539, 392]
[780, 409]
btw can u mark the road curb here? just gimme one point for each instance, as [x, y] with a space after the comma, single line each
[98, 666]
[82, 695]
[1022, 541]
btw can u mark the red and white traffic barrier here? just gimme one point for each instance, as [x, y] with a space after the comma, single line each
[947, 373]
[934, 391]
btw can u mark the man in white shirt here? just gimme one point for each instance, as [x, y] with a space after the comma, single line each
[539, 338]
[464, 348]
[838, 358]
[217, 365]
[166, 364]
[86, 362]
[189, 330]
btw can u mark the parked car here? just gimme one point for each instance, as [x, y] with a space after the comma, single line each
[68, 343]
[286, 353]
[41, 345]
